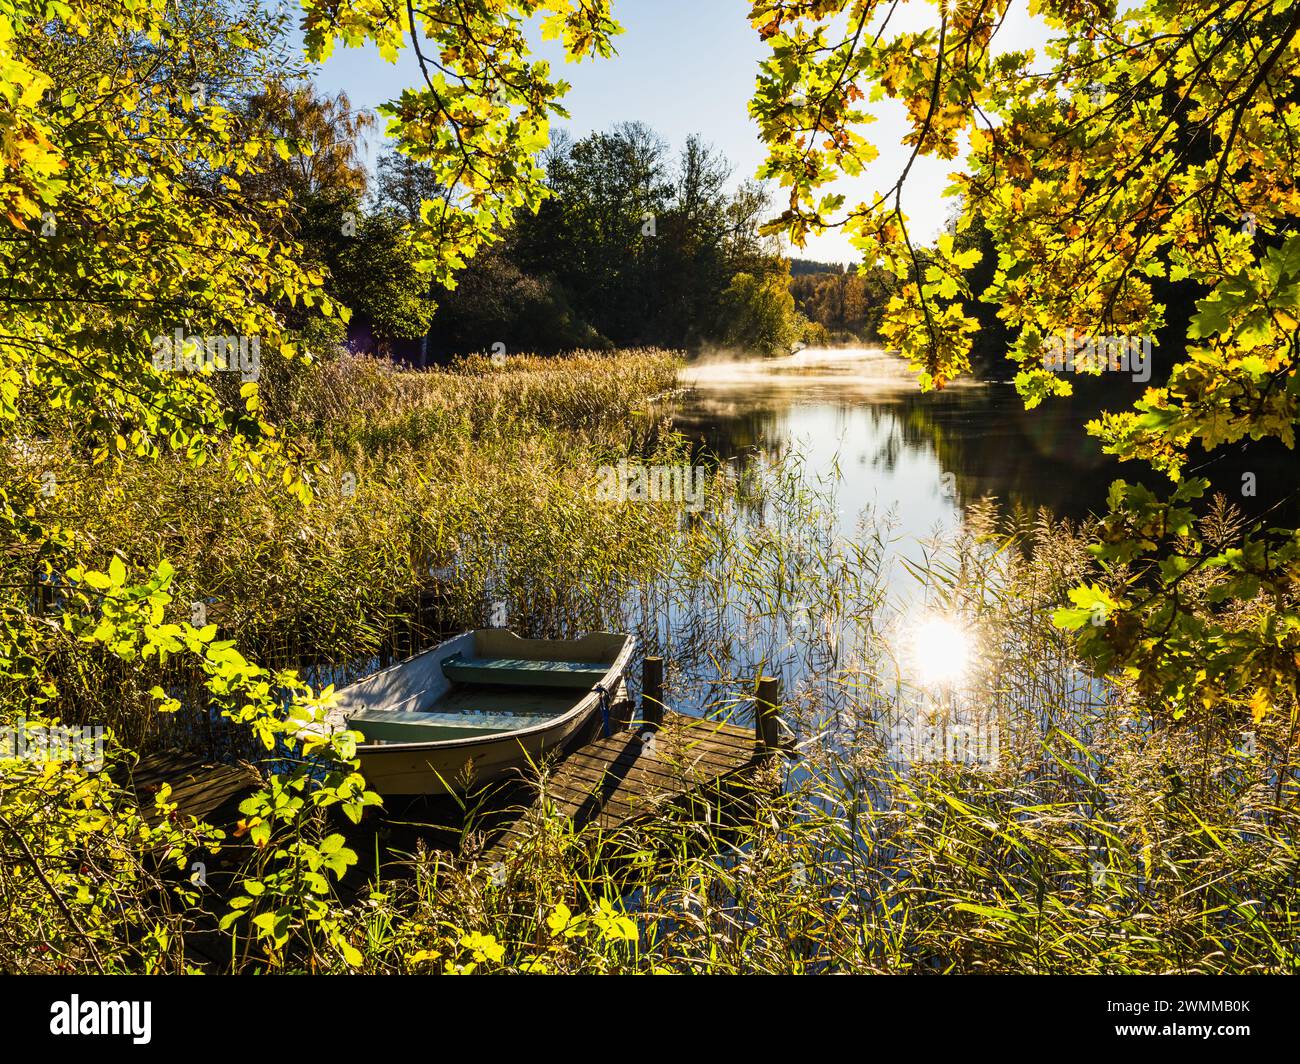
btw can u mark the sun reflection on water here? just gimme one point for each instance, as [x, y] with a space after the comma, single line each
[941, 651]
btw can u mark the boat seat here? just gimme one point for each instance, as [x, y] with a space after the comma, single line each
[424, 726]
[523, 672]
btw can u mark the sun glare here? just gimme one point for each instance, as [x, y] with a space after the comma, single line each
[941, 650]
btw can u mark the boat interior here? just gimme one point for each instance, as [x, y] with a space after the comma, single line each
[479, 684]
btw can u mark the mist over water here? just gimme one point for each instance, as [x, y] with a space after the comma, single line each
[865, 371]
[859, 420]
[859, 417]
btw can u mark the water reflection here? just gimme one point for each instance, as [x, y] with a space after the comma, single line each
[859, 419]
[901, 468]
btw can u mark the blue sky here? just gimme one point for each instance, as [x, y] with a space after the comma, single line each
[683, 67]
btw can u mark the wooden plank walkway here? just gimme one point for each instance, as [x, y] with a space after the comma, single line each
[622, 778]
[662, 759]
[199, 787]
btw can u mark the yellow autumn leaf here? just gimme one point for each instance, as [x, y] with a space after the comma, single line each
[1259, 705]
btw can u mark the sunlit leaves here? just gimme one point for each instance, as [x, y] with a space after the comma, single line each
[1151, 146]
[127, 222]
[482, 110]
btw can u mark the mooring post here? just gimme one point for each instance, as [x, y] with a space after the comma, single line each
[767, 706]
[652, 693]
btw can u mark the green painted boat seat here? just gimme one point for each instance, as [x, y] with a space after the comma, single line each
[523, 672]
[426, 726]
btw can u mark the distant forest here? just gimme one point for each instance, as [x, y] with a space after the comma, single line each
[636, 245]
[839, 304]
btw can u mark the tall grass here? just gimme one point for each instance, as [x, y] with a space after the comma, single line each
[473, 485]
[1104, 836]
[370, 402]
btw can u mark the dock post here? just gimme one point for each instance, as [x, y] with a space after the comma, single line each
[652, 693]
[767, 705]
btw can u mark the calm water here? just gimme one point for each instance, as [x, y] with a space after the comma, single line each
[890, 455]
[862, 425]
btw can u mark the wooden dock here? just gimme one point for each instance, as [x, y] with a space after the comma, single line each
[198, 787]
[658, 759]
[664, 758]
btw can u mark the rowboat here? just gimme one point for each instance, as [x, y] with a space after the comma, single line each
[479, 707]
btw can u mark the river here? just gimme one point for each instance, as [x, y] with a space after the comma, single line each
[857, 415]
[888, 455]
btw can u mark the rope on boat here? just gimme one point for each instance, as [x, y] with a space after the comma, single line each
[604, 705]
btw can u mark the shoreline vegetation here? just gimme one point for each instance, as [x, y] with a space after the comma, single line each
[1071, 746]
[1105, 836]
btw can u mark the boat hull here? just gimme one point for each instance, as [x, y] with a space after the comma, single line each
[413, 769]
[449, 766]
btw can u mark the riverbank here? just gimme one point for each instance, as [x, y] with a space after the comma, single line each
[965, 798]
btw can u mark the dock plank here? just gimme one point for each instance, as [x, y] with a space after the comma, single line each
[618, 779]
[198, 787]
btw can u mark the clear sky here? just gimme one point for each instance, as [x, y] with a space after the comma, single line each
[688, 66]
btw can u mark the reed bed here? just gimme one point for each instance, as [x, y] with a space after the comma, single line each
[1099, 836]
[420, 535]
[370, 402]
[1103, 838]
